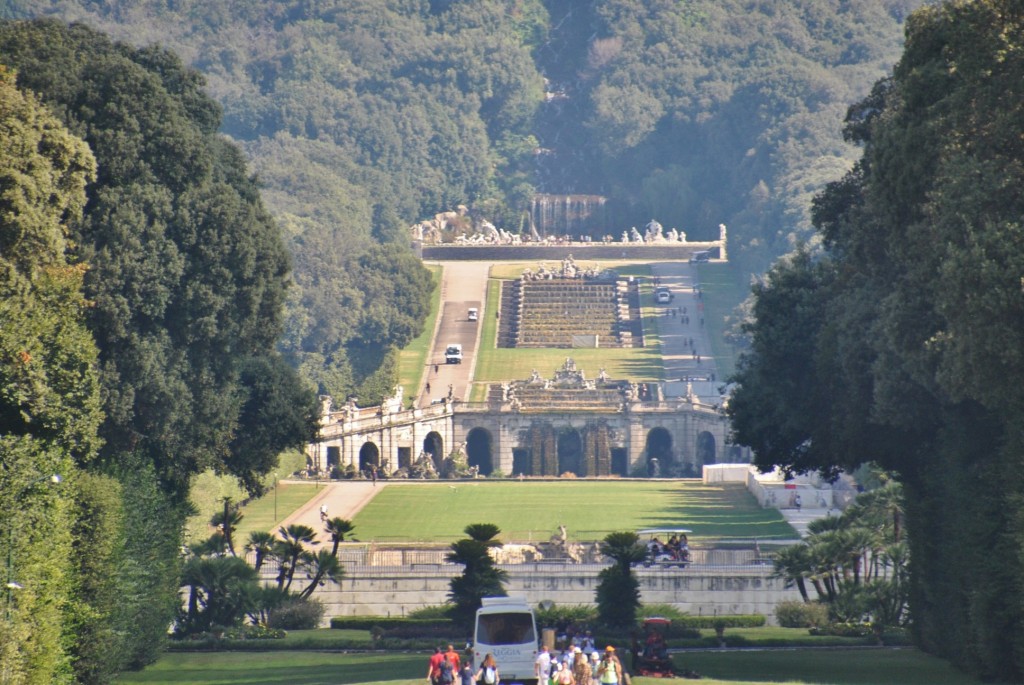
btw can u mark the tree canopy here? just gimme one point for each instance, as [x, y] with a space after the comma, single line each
[910, 326]
[186, 270]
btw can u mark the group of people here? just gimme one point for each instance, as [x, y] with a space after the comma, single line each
[574, 667]
[447, 668]
[676, 549]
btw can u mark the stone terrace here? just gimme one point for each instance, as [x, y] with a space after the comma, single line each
[549, 312]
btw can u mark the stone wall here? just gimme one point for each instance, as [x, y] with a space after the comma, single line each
[378, 592]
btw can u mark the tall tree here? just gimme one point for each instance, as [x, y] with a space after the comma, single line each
[480, 577]
[916, 365]
[618, 590]
[49, 394]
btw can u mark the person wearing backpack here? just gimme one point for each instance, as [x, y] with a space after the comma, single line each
[488, 673]
[447, 671]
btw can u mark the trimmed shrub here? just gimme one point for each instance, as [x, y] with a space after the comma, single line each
[440, 612]
[796, 614]
[299, 614]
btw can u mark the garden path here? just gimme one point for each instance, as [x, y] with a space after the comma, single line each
[343, 499]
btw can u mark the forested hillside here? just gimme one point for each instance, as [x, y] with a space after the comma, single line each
[902, 343]
[362, 117]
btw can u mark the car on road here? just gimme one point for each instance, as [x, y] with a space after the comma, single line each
[662, 295]
[474, 314]
[453, 354]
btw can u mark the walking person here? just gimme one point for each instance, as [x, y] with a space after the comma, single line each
[609, 671]
[434, 667]
[488, 673]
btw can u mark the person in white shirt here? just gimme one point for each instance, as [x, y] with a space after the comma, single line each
[542, 666]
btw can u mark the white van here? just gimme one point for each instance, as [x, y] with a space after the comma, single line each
[453, 353]
[505, 627]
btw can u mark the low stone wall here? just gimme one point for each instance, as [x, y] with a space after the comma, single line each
[380, 592]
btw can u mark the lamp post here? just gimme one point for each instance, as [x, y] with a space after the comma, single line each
[11, 583]
[275, 498]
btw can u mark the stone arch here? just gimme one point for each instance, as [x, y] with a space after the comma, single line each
[369, 456]
[433, 445]
[478, 450]
[570, 452]
[659, 447]
[706, 449]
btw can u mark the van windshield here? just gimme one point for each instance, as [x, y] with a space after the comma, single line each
[505, 629]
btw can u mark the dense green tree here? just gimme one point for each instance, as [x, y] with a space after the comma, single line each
[618, 590]
[914, 345]
[49, 394]
[480, 578]
[187, 271]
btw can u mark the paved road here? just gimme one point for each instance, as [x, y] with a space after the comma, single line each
[680, 358]
[463, 285]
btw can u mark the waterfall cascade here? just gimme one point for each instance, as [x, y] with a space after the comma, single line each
[556, 215]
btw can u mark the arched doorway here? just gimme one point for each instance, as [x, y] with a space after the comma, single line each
[478, 450]
[705, 448]
[570, 451]
[369, 456]
[433, 445]
[659, 452]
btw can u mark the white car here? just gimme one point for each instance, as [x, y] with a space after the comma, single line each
[474, 314]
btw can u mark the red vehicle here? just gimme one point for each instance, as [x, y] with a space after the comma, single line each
[650, 657]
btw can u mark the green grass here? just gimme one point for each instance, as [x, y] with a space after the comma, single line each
[725, 667]
[209, 490]
[722, 293]
[263, 514]
[495, 365]
[532, 510]
[412, 361]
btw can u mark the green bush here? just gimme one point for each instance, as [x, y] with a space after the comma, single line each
[388, 622]
[708, 622]
[662, 610]
[844, 630]
[298, 614]
[440, 612]
[566, 615]
[796, 614]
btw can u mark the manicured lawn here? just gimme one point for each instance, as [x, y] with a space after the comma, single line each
[263, 514]
[209, 490]
[531, 510]
[728, 667]
[412, 361]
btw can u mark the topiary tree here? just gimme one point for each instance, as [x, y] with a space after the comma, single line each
[479, 578]
[618, 592]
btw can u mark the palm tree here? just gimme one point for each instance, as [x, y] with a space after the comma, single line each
[338, 528]
[289, 549]
[793, 564]
[618, 592]
[324, 565]
[227, 521]
[262, 543]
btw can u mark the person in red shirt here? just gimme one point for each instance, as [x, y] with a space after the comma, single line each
[434, 669]
[453, 657]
